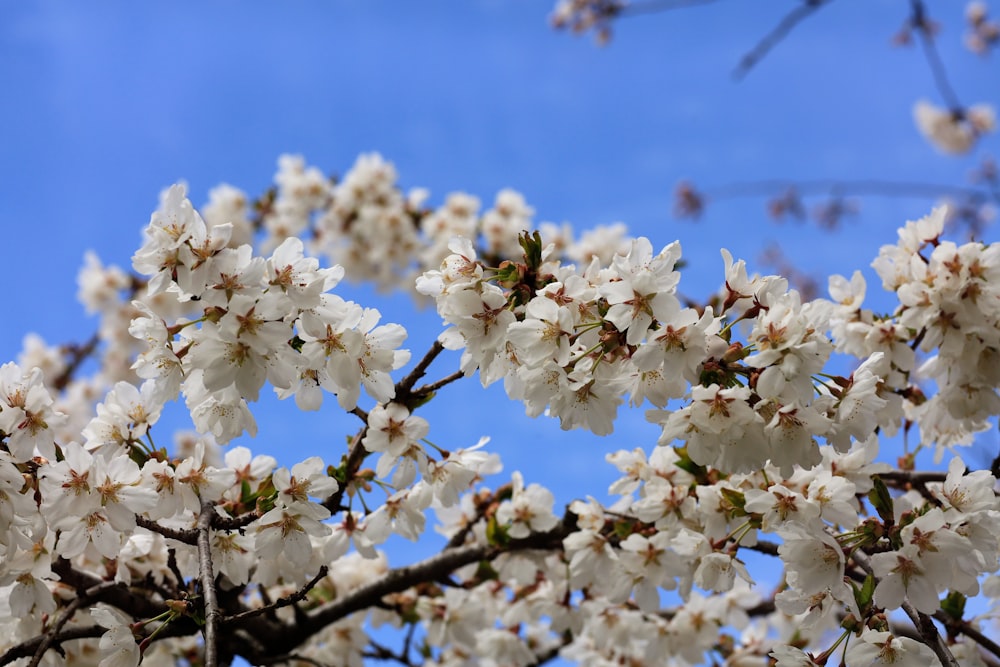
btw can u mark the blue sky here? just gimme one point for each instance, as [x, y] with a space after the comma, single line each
[107, 103]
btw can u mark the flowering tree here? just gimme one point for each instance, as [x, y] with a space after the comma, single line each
[116, 550]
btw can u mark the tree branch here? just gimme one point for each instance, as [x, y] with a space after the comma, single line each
[423, 390]
[56, 629]
[778, 33]
[930, 635]
[966, 628]
[430, 569]
[29, 647]
[406, 384]
[189, 536]
[657, 6]
[924, 29]
[280, 602]
[212, 612]
[860, 187]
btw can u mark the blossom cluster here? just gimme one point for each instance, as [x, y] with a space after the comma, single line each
[115, 549]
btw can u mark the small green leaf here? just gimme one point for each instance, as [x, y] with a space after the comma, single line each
[881, 500]
[954, 605]
[496, 534]
[736, 500]
[863, 595]
[532, 244]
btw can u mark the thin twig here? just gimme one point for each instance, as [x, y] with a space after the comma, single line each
[423, 390]
[778, 33]
[189, 536]
[355, 457]
[657, 6]
[913, 476]
[57, 627]
[406, 384]
[78, 354]
[763, 546]
[280, 602]
[220, 522]
[922, 25]
[860, 187]
[212, 612]
[381, 652]
[277, 660]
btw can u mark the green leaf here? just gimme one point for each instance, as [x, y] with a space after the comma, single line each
[532, 244]
[954, 605]
[496, 534]
[881, 500]
[736, 500]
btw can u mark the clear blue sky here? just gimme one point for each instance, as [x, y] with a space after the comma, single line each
[107, 103]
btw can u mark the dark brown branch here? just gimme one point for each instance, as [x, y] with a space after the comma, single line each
[355, 457]
[189, 536]
[913, 476]
[133, 604]
[549, 655]
[405, 395]
[423, 390]
[29, 647]
[778, 33]
[67, 614]
[380, 652]
[220, 522]
[77, 355]
[764, 547]
[930, 636]
[212, 611]
[280, 602]
[291, 657]
[967, 629]
[430, 569]
[406, 384]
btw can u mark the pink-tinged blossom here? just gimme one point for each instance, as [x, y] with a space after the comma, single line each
[222, 413]
[953, 131]
[118, 645]
[196, 481]
[780, 506]
[717, 572]
[965, 494]
[857, 409]
[27, 414]
[125, 415]
[306, 479]
[284, 532]
[903, 574]
[884, 649]
[544, 333]
[814, 561]
[298, 277]
[380, 355]
[643, 291]
[392, 430]
[528, 510]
